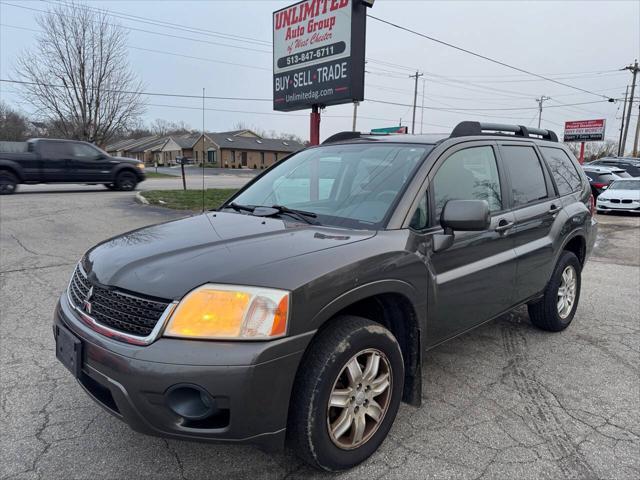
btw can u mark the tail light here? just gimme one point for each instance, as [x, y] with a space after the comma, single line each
[600, 185]
[592, 204]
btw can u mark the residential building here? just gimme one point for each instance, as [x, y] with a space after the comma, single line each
[232, 149]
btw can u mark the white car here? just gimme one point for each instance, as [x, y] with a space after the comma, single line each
[622, 195]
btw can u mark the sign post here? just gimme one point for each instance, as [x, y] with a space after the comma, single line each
[584, 131]
[318, 56]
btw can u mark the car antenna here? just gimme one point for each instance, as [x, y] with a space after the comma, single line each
[203, 155]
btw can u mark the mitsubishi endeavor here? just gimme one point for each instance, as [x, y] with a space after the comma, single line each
[301, 309]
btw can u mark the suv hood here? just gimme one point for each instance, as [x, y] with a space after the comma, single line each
[170, 259]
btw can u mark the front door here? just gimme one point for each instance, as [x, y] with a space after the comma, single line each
[472, 281]
[90, 164]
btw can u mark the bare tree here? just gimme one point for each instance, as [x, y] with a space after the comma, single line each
[164, 127]
[78, 76]
[14, 126]
[595, 150]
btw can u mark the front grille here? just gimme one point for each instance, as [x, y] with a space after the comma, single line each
[626, 200]
[614, 200]
[121, 311]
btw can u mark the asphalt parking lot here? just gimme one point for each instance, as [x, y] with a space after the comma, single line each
[506, 401]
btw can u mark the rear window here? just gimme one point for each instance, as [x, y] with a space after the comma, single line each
[525, 173]
[562, 170]
[604, 178]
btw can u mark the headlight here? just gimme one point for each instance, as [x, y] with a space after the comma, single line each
[230, 312]
[140, 166]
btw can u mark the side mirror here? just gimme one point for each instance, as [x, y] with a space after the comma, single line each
[465, 215]
[462, 215]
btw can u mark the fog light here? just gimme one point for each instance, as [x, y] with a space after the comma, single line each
[190, 401]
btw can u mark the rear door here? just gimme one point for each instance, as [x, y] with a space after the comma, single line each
[535, 206]
[473, 279]
[55, 160]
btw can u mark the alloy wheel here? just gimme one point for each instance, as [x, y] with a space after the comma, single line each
[359, 399]
[567, 292]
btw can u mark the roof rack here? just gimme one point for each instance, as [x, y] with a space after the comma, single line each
[467, 129]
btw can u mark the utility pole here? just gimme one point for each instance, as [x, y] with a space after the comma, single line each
[634, 70]
[424, 83]
[624, 111]
[635, 141]
[355, 115]
[540, 101]
[415, 100]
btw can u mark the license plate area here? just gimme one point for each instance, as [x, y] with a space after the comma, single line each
[69, 350]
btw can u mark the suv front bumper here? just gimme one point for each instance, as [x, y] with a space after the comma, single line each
[249, 382]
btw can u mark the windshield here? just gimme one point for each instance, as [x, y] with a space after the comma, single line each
[353, 186]
[625, 185]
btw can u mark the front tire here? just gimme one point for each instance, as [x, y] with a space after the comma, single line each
[346, 394]
[126, 181]
[555, 311]
[8, 183]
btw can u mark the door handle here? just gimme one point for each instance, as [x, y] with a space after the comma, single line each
[503, 226]
[554, 209]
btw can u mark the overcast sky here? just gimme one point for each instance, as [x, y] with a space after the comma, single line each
[580, 43]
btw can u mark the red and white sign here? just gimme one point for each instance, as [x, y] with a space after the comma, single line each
[584, 130]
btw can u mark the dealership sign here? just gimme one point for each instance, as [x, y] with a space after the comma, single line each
[584, 130]
[318, 54]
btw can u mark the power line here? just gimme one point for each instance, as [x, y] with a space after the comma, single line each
[150, 94]
[484, 57]
[148, 31]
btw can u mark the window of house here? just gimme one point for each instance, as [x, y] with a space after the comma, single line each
[525, 173]
[562, 170]
[469, 174]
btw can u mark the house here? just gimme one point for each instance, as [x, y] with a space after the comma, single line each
[245, 150]
[232, 149]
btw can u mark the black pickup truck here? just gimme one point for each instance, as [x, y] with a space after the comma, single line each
[42, 160]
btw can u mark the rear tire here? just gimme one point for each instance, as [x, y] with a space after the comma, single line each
[126, 181]
[555, 311]
[357, 364]
[8, 183]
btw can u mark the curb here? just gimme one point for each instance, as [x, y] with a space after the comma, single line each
[141, 199]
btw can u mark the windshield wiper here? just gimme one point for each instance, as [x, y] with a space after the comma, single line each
[299, 214]
[239, 208]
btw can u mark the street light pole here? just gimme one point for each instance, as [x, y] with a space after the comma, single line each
[634, 70]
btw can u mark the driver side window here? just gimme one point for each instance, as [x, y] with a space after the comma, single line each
[420, 218]
[469, 174]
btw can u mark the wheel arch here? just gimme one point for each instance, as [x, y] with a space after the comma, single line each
[391, 303]
[13, 168]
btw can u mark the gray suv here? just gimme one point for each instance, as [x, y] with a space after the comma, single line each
[301, 309]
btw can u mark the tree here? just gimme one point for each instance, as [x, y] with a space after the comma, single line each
[13, 125]
[163, 127]
[78, 76]
[595, 150]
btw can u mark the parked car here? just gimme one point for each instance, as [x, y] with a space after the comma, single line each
[629, 164]
[622, 195]
[600, 177]
[303, 306]
[43, 160]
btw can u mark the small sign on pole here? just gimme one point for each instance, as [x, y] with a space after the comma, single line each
[385, 130]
